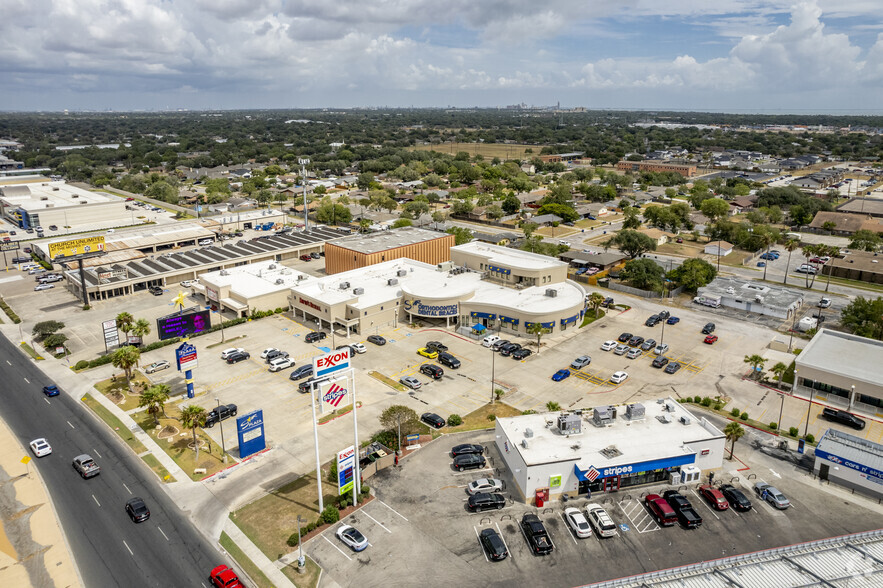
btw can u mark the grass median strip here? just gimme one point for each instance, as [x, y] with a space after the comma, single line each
[388, 381]
[115, 424]
[158, 468]
[30, 351]
[248, 566]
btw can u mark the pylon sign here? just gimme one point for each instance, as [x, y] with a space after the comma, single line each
[330, 363]
[334, 394]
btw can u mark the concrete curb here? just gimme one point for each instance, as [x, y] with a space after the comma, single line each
[256, 555]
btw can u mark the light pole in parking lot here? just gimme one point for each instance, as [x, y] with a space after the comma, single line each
[781, 409]
[493, 358]
[221, 424]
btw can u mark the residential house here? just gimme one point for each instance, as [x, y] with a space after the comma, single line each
[545, 220]
[721, 248]
[594, 209]
[503, 239]
[845, 223]
[659, 236]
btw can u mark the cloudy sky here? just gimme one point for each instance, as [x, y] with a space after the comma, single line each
[775, 56]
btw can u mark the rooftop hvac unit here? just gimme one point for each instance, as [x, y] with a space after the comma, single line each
[225, 273]
[528, 433]
[402, 273]
[444, 266]
[635, 411]
[669, 405]
[359, 291]
[279, 281]
[301, 277]
[603, 415]
[524, 443]
[758, 298]
[344, 285]
[569, 424]
[664, 419]
[674, 478]
[272, 266]
[551, 292]
[685, 420]
[392, 282]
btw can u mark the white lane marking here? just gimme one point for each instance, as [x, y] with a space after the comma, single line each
[127, 488]
[504, 541]
[163, 534]
[705, 504]
[390, 508]
[8, 362]
[70, 425]
[96, 500]
[47, 400]
[127, 547]
[96, 453]
[26, 380]
[774, 473]
[567, 525]
[376, 521]
[483, 550]
[337, 548]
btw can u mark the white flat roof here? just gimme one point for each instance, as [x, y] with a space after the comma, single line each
[508, 257]
[630, 438]
[33, 196]
[254, 279]
[849, 356]
[530, 300]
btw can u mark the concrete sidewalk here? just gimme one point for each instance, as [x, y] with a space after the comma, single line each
[256, 555]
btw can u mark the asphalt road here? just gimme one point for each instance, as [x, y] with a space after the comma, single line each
[109, 549]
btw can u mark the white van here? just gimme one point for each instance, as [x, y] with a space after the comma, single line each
[490, 340]
[204, 242]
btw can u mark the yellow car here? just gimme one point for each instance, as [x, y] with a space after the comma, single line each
[426, 352]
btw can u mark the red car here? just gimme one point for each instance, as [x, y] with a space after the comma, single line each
[661, 509]
[306, 258]
[224, 577]
[711, 339]
[714, 497]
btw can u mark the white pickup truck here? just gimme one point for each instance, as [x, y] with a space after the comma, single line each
[86, 466]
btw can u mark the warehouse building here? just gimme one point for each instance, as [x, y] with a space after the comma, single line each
[35, 204]
[358, 251]
[863, 266]
[850, 461]
[605, 449]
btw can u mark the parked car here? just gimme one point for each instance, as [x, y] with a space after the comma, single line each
[608, 302]
[156, 366]
[490, 340]
[485, 485]
[659, 361]
[661, 348]
[772, 495]
[648, 344]
[427, 353]
[281, 363]
[710, 339]
[538, 538]
[507, 350]
[40, 447]
[652, 321]
[736, 498]
[714, 497]
[433, 420]
[301, 372]
[560, 375]
[448, 360]
[376, 339]
[220, 413]
[155, 290]
[493, 545]
[664, 315]
[436, 346]
[636, 341]
[466, 449]
[485, 501]
[824, 303]
[672, 368]
[224, 577]
[410, 382]
[661, 510]
[806, 269]
[469, 461]
[600, 520]
[315, 255]
[687, 516]
[40, 287]
[359, 348]
[633, 353]
[608, 345]
[433, 371]
[672, 320]
[275, 354]
[266, 352]
[708, 329]
[137, 509]
[352, 537]
[306, 258]
[499, 344]
[237, 357]
[521, 353]
[844, 418]
[307, 385]
[624, 337]
[581, 362]
[577, 521]
[228, 352]
[621, 349]
[315, 336]
[619, 377]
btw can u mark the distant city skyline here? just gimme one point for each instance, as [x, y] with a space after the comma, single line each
[741, 56]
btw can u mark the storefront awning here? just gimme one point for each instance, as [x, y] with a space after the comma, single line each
[478, 328]
[549, 325]
[507, 320]
[591, 473]
[568, 320]
[483, 315]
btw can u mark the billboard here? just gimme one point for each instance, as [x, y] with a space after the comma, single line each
[182, 325]
[76, 246]
[324, 365]
[111, 334]
[185, 356]
[250, 430]
[346, 465]
[9, 245]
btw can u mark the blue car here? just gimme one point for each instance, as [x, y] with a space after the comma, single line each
[560, 375]
[51, 390]
[672, 320]
[761, 264]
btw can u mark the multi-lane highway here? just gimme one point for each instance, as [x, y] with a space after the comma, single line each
[109, 549]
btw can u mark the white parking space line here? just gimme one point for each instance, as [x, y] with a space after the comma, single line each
[390, 508]
[376, 521]
[163, 534]
[503, 537]
[127, 547]
[567, 526]
[483, 551]
[705, 504]
[96, 500]
[470, 472]
[337, 548]
[127, 489]
[639, 517]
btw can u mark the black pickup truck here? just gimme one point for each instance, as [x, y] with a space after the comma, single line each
[688, 517]
[535, 533]
[219, 413]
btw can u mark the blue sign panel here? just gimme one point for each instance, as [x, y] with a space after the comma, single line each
[636, 468]
[250, 430]
[185, 356]
[548, 325]
[484, 315]
[868, 471]
[499, 270]
[567, 321]
[507, 320]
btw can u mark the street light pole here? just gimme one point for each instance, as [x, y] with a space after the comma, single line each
[303, 163]
[493, 374]
[221, 424]
[781, 409]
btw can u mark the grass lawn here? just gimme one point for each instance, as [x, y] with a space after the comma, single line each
[270, 521]
[254, 572]
[115, 390]
[30, 351]
[590, 317]
[158, 468]
[478, 418]
[176, 445]
[388, 381]
[115, 424]
[308, 579]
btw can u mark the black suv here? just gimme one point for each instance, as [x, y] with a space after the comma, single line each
[315, 336]
[499, 344]
[436, 346]
[507, 350]
[521, 353]
[301, 372]
[432, 419]
[219, 413]
[844, 418]
[482, 501]
[305, 386]
[493, 545]
[708, 329]
[155, 290]
[448, 360]
[238, 356]
[433, 371]
[664, 315]
[736, 498]
[636, 341]
[468, 461]
[624, 337]
[652, 321]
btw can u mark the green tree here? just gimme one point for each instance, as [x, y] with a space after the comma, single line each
[364, 225]
[461, 235]
[332, 213]
[733, 433]
[46, 328]
[865, 240]
[528, 228]
[864, 317]
[631, 220]
[715, 209]
[755, 361]
[193, 417]
[141, 328]
[539, 330]
[494, 212]
[693, 274]
[779, 371]
[154, 399]
[511, 204]
[365, 180]
[415, 209]
[566, 212]
[462, 207]
[595, 301]
[790, 246]
[401, 222]
[553, 406]
[125, 322]
[632, 243]
[829, 226]
[399, 418]
[55, 340]
[799, 215]
[644, 274]
[126, 358]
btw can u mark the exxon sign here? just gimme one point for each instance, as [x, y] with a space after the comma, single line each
[331, 363]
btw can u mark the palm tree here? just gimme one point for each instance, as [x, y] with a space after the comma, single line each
[553, 406]
[141, 328]
[809, 251]
[193, 417]
[539, 330]
[766, 240]
[755, 361]
[790, 246]
[595, 301]
[125, 322]
[733, 432]
[779, 370]
[154, 399]
[126, 358]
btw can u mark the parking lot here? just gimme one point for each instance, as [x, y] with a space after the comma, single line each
[420, 513]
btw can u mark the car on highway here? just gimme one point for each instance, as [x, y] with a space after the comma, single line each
[521, 353]
[624, 337]
[560, 375]
[301, 372]
[621, 349]
[633, 353]
[40, 447]
[228, 352]
[714, 497]
[708, 329]
[51, 390]
[157, 366]
[672, 368]
[237, 357]
[493, 545]
[467, 449]
[736, 498]
[485, 501]
[659, 361]
[672, 320]
[710, 339]
[137, 509]
[485, 485]
[86, 466]
[446, 359]
[224, 577]
[600, 520]
[433, 420]
[844, 418]
[314, 336]
[661, 510]
[433, 371]
[359, 348]
[577, 521]
[619, 377]
[40, 287]
[220, 413]
[608, 345]
[580, 362]
[425, 352]
[648, 344]
[772, 495]
[410, 382]
[352, 537]
[469, 461]
[376, 340]
[661, 348]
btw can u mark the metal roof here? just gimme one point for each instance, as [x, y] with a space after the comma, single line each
[852, 448]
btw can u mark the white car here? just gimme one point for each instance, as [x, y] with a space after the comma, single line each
[486, 485]
[267, 352]
[187, 283]
[39, 287]
[578, 522]
[156, 366]
[634, 353]
[411, 382]
[40, 447]
[600, 520]
[608, 345]
[661, 348]
[824, 303]
[352, 537]
[281, 363]
[228, 352]
[619, 377]
[359, 347]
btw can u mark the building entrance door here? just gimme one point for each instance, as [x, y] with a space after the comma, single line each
[611, 484]
[823, 471]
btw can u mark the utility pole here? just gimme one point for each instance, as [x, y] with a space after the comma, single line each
[221, 424]
[493, 358]
[303, 166]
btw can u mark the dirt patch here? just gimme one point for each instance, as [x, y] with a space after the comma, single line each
[167, 431]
